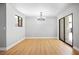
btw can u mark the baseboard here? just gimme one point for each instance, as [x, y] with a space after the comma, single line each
[9, 47]
[58, 38]
[41, 38]
[2, 48]
[76, 48]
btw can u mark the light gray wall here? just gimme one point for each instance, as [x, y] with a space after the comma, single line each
[13, 33]
[2, 25]
[48, 28]
[72, 8]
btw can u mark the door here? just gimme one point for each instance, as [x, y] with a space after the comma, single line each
[68, 29]
[61, 29]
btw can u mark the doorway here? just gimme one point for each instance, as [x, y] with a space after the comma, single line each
[66, 29]
[62, 29]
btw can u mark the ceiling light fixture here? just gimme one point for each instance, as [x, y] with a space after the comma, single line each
[41, 18]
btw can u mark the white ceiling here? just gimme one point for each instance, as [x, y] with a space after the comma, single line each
[34, 9]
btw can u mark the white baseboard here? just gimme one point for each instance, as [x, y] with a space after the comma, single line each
[2, 48]
[76, 48]
[9, 47]
[6, 48]
[40, 37]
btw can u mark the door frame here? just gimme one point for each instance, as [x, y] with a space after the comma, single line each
[64, 29]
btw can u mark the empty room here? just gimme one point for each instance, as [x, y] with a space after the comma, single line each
[39, 28]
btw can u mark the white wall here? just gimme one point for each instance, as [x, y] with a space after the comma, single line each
[72, 8]
[46, 29]
[13, 33]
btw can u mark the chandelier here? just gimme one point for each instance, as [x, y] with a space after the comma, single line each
[41, 18]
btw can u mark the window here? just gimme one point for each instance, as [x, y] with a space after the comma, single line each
[19, 21]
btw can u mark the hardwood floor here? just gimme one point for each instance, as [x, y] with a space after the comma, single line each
[41, 47]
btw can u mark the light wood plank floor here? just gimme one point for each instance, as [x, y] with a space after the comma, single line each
[40, 47]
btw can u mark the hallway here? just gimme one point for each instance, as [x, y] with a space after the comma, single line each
[41, 47]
